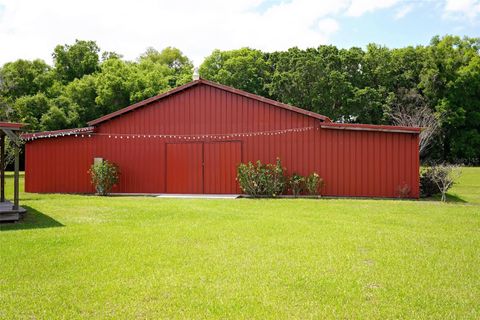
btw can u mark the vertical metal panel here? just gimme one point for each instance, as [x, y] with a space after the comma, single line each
[352, 163]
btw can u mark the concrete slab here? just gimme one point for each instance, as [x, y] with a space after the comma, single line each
[198, 196]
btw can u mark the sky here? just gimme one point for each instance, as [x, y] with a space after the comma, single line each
[31, 29]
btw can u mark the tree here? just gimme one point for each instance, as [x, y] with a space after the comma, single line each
[113, 85]
[170, 63]
[461, 110]
[369, 105]
[30, 109]
[82, 94]
[9, 153]
[313, 79]
[24, 78]
[75, 61]
[444, 176]
[410, 110]
[54, 119]
[244, 69]
[5, 109]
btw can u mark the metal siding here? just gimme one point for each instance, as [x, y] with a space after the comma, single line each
[352, 163]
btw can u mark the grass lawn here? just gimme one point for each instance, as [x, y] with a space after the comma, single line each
[139, 257]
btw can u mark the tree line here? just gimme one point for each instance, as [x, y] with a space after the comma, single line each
[368, 85]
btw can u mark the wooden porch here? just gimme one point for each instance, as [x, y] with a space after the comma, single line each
[10, 212]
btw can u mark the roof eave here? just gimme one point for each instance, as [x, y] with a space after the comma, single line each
[57, 133]
[12, 125]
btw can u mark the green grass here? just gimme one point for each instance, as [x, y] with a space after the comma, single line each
[126, 257]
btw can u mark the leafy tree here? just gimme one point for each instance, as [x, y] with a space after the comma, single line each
[81, 93]
[407, 65]
[53, 119]
[24, 78]
[461, 110]
[176, 67]
[443, 58]
[369, 105]
[149, 79]
[30, 109]
[313, 79]
[75, 61]
[244, 69]
[159, 71]
[5, 109]
[113, 85]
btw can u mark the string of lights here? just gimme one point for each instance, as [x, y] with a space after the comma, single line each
[79, 133]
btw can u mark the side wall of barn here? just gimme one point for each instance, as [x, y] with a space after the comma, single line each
[352, 163]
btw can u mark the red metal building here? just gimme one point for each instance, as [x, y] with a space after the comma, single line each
[190, 140]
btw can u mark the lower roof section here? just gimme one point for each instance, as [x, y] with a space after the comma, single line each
[56, 133]
[369, 127]
[11, 125]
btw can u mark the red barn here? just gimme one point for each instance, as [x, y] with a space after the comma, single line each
[191, 139]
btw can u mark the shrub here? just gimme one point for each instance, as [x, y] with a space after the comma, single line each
[262, 179]
[104, 176]
[313, 184]
[437, 179]
[297, 184]
[428, 187]
[444, 176]
[404, 190]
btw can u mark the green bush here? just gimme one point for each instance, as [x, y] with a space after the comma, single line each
[314, 184]
[262, 179]
[296, 184]
[104, 176]
[428, 187]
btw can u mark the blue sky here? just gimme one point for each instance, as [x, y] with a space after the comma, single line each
[31, 29]
[417, 27]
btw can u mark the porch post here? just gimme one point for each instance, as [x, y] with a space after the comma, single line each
[2, 166]
[16, 187]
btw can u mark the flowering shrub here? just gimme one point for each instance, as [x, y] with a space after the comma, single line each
[262, 179]
[104, 176]
[313, 184]
[297, 184]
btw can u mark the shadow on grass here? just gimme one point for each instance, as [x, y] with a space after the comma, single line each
[33, 219]
[453, 198]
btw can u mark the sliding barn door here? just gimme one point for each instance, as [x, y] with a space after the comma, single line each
[220, 169]
[209, 167]
[184, 172]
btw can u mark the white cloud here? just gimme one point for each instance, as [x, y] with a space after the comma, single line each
[403, 11]
[31, 29]
[328, 25]
[360, 7]
[460, 9]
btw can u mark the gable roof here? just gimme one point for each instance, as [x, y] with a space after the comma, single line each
[211, 84]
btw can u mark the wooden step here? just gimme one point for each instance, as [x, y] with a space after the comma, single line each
[8, 217]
